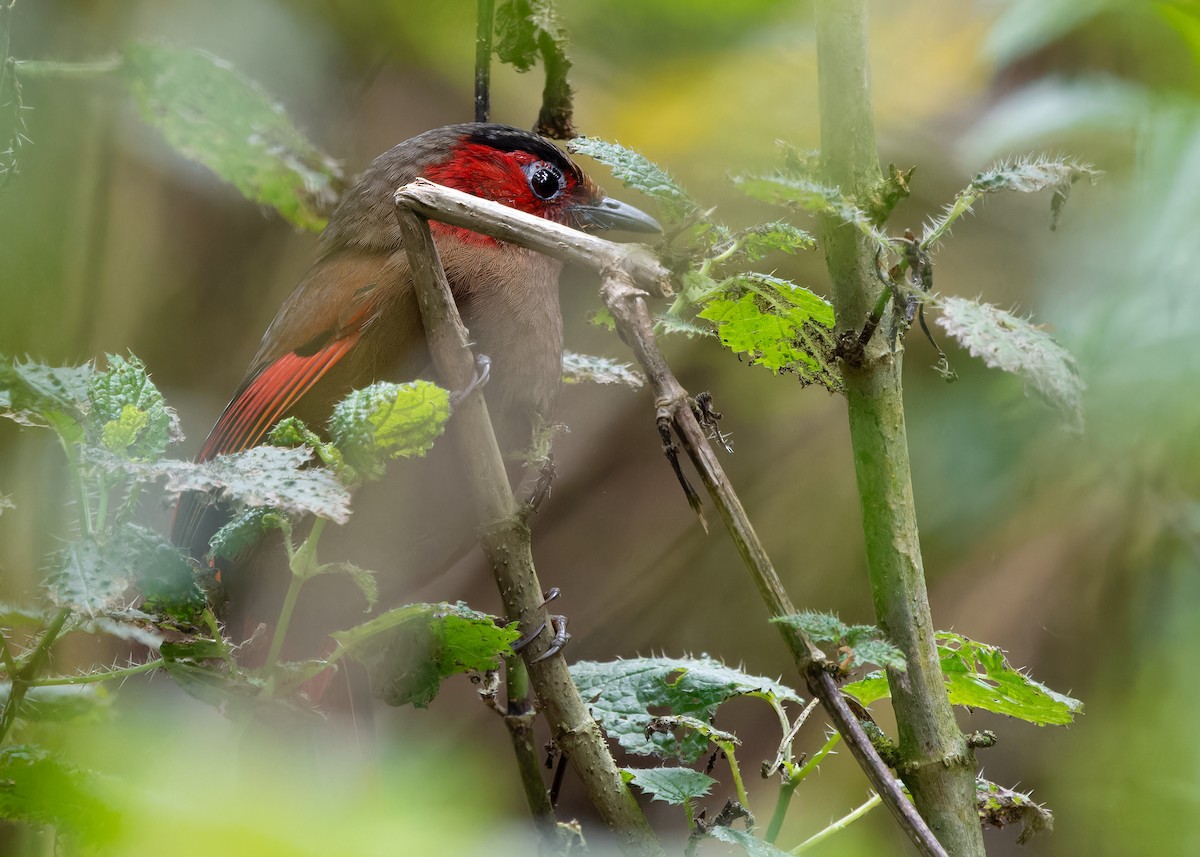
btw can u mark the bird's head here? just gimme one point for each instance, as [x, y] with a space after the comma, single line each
[524, 171]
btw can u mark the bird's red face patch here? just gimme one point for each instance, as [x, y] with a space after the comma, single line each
[518, 179]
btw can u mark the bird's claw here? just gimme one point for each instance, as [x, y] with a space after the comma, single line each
[557, 623]
[483, 369]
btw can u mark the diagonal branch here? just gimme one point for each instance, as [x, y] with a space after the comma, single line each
[630, 275]
[504, 537]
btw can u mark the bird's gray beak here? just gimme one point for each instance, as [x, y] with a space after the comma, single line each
[613, 214]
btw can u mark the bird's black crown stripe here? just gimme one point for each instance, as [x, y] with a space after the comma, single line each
[505, 138]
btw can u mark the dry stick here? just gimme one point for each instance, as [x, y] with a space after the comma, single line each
[937, 765]
[630, 272]
[504, 537]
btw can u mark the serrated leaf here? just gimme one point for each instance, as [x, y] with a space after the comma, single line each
[210, 113]
[779, 335]
[626, 696]
[127, 414]
[271, 476]
[1004, 341]
[363, 578]
[38, 788]
[636, 171]
[864, 643]
[748, 842]
[580, 368]
[755, 243]
[35, 394]
[410, 650]
[88, 579]
[95, 579]
[385, 421]
[519, 25]
[675, 786]
[808, 195]
[242, 532]
[979, 676]
[59, 703]
[1000, 806]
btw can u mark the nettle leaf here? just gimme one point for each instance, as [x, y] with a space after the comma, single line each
[128, 415]
[59, 703]
[627, 695]
[1012, 344]
[162, 574]
[640, 173]
[88, 579]
[665, 323]
[755, 243]
[385, 421]
[520, 25]
[863, 644]
[748, 842]
[804, 194]
[979, 676]
[580, 368]
[271, 476]
[999, 806]
[243, 531]
[675, 786]
[780, 325]
[35, 394]
[38, 788]
[210, 113]
[410, 650]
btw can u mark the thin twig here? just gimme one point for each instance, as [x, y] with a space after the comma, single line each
[504, 537]
[630, 275]
[483, 58]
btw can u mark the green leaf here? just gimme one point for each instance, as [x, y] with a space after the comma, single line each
[640, 173]
[363, 578]
[784, 333]
[410, 650]
[520, 27]
[755, 243]
[127, 414]
[675, 786]
[260, 476]
[385, 421]
[627, 695]
[580, 368]
[243, 531]
[37, 788]
[196, 650]
[96, 579]
[805, 194]
[89, 579]
[59, 703]
[1012, 344]
[35, 394]
[748, 842]
[999, 806]
[979, 676]
[19, 616]
[1032, 174]
[210, 113]
[864, 643]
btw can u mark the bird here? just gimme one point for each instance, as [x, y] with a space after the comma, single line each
[353, 319]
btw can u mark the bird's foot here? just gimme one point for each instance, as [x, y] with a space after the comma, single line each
[558, 625]
[483, 369]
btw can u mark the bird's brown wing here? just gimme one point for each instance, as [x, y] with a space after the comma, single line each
[321, 326]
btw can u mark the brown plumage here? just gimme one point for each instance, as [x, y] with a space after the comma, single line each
[354, 319]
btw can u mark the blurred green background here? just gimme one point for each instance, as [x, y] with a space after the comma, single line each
[1079, 555]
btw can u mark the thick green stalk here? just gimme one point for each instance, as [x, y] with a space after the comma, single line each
[937, 765]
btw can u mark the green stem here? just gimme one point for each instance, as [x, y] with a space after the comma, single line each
[781, 806]
[817, 758]
[93, 678]
[102, 506]
[10, 662]
[85, 506]
[839, 825]
[736, 772]
[21, 680]
[937, 765]
[54, 68]
[303, 562]
[128, 505]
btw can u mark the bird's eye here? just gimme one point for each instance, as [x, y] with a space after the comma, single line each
[545, 181]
